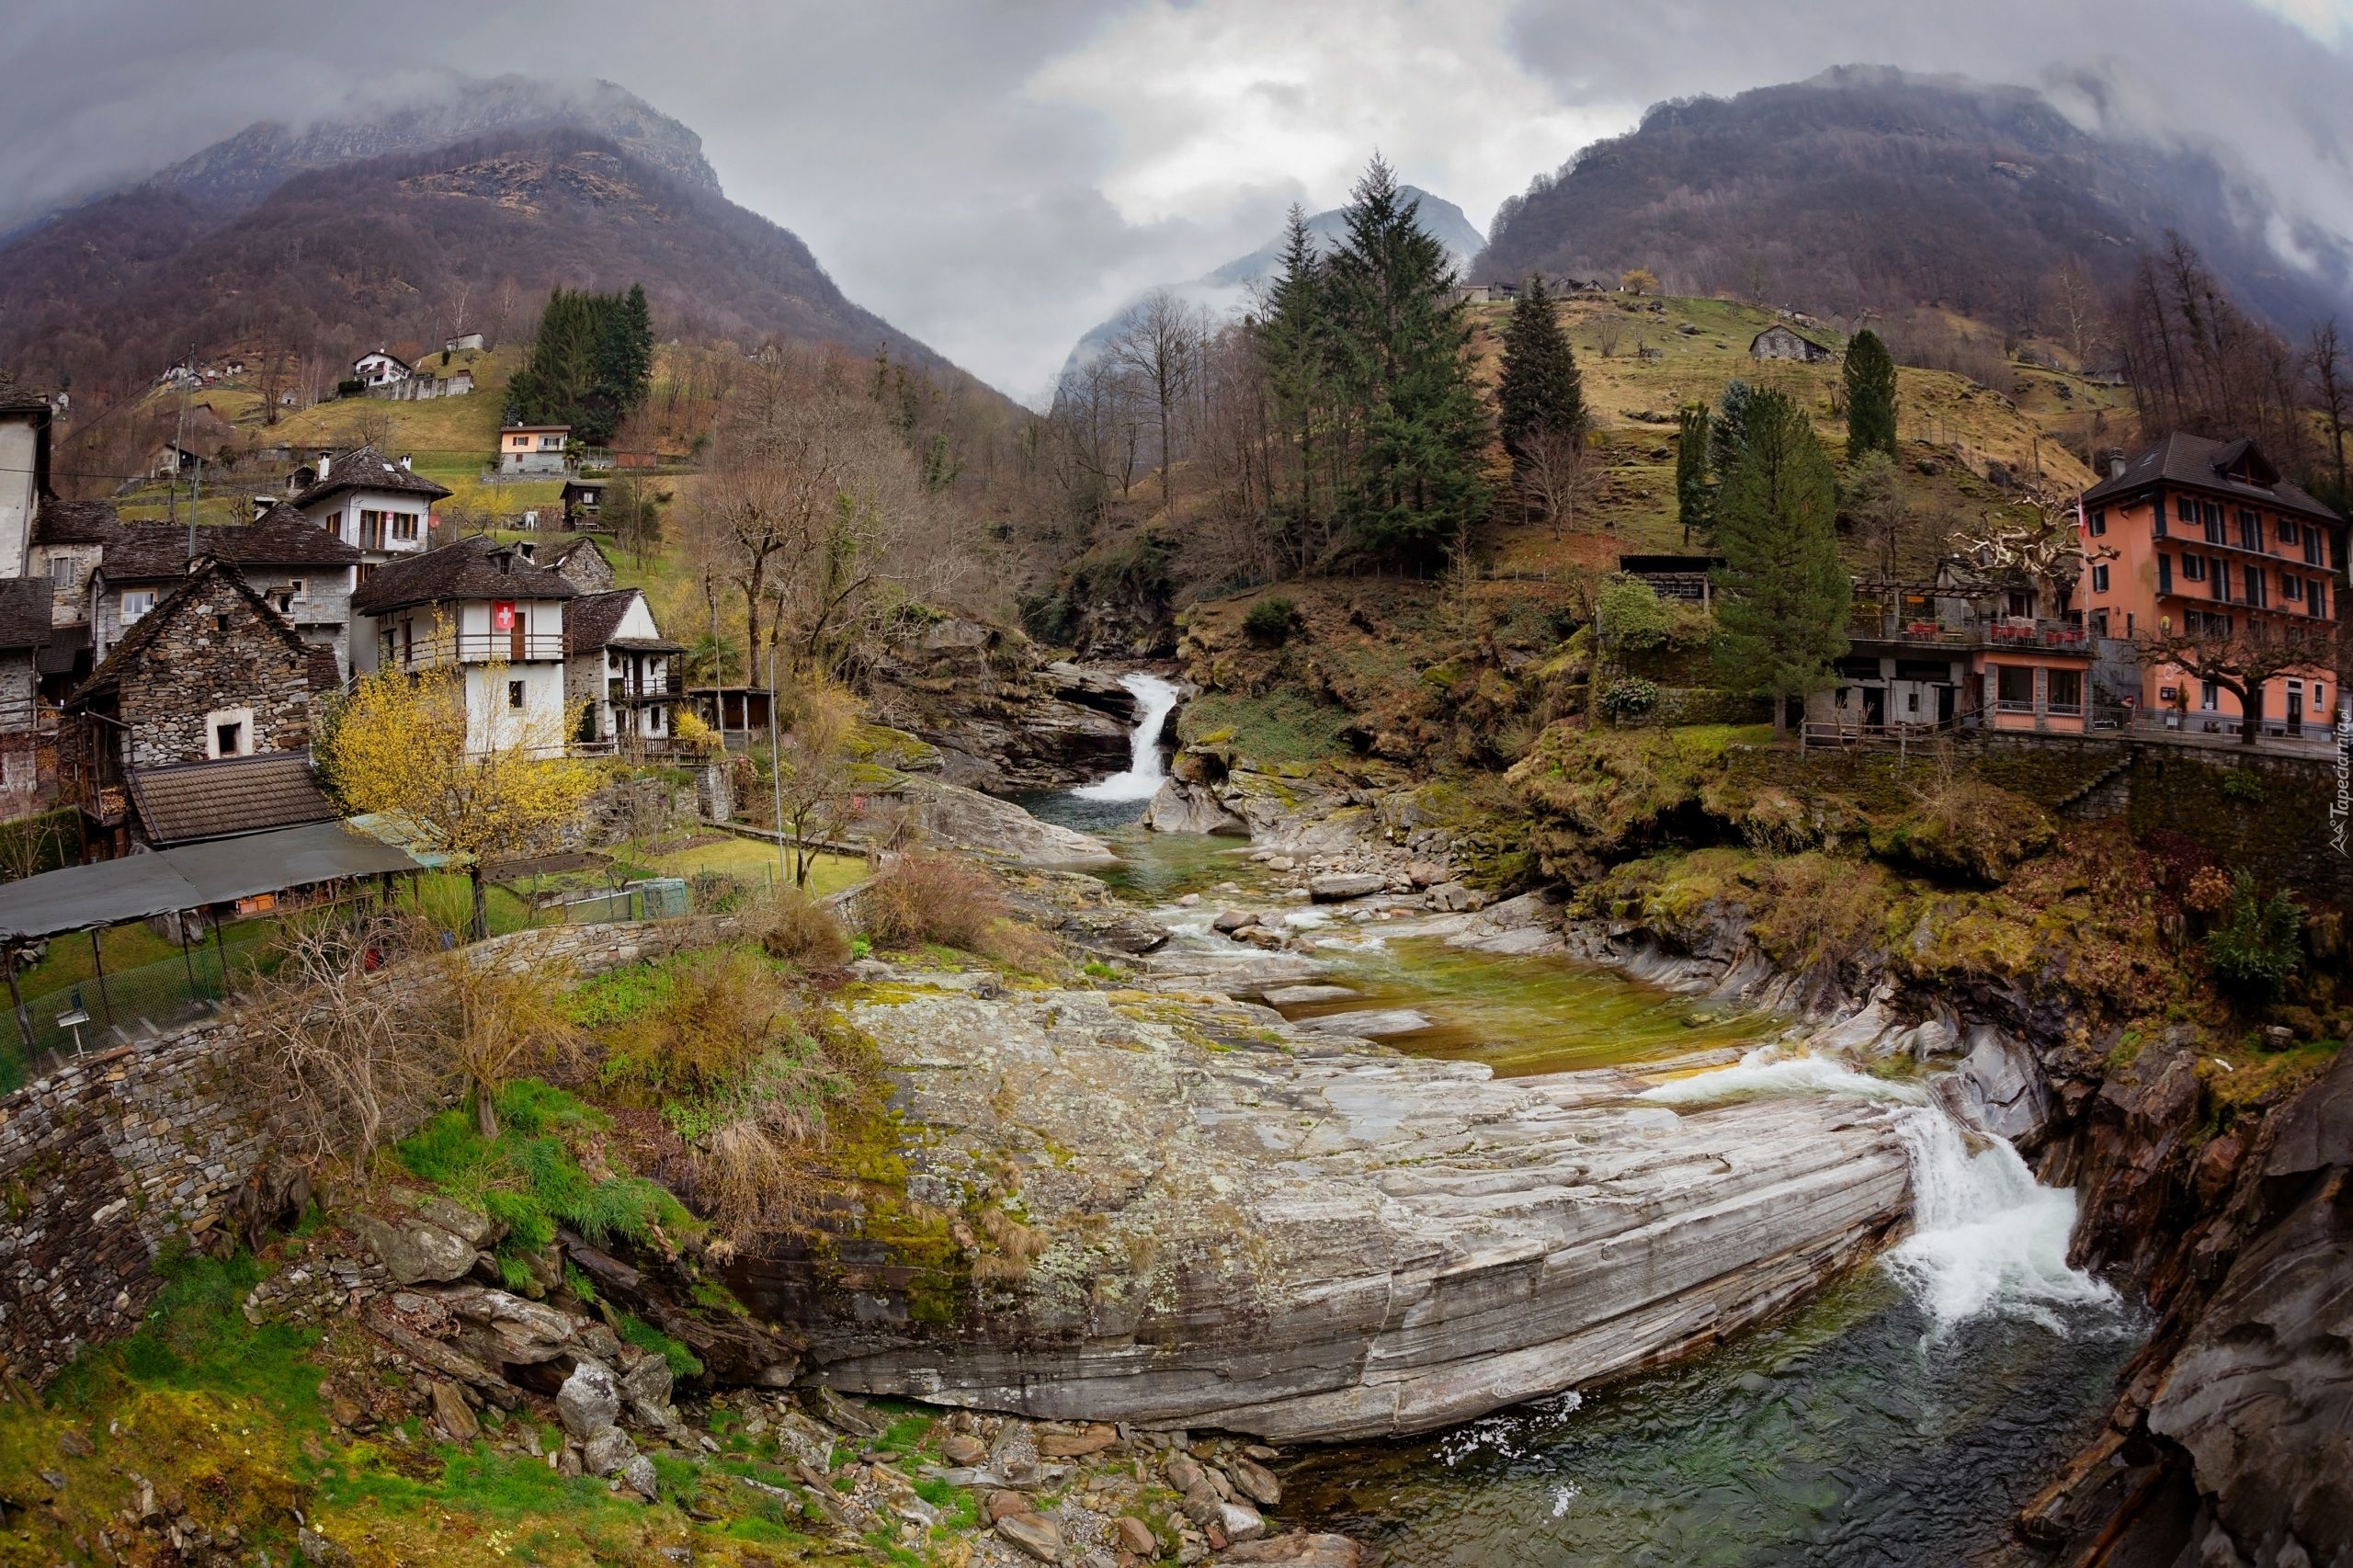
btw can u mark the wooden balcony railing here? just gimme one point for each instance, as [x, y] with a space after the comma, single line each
[482, 648]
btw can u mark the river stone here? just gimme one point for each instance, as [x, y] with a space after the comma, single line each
[414, 1252]
[1338, 887]
[1184, 1474]
[1003, 1505]
[590, 1400]
[1299, 1241]
[962, 1448]
[1298, 1550]
[1425, 874]
[1454, 896]
[966, 819]
[1241, 1522]
[605, 1451]
[1376, 1024]
[1033, 1533]
[1306, 996]
[1254, 1482]
[1233, 920]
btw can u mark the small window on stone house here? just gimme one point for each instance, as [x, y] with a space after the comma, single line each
[229, 732]
[220, 624]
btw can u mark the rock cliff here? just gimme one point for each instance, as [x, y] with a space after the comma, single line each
[1004, 718]
[1230, 1223]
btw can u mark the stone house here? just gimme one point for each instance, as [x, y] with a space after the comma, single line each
[24, 634]
[1780, 342]
[211, 672]
[623, 676]
[484, 609]
[584, 564]
[377, 505]
[305, 574]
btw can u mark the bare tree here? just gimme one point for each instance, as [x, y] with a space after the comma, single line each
[2075, 310]
[2333, 377]
[2240, 654]
[1161, 346]
[1558, 471]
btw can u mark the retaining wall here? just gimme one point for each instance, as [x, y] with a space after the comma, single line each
[106, 1163]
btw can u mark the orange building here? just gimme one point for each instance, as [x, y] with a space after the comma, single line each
[2196, 535]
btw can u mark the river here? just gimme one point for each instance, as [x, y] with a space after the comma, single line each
[1900, 1416]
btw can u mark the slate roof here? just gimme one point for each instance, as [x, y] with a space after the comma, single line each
[194, 800]
[2198, 461]
[562, 558]
[14, 398]
[24, 612]
[365, 468]
[134, 644]
[279, 536]
[75, 522]
[475, 568]
[592, 620]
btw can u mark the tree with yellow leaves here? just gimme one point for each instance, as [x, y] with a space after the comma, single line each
[397, 745]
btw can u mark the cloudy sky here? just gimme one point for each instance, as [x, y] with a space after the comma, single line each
[996, 175]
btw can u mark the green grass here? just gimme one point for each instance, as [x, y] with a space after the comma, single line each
[684, 1363]
[757, 863]
[195, 1339]
[1284, 726]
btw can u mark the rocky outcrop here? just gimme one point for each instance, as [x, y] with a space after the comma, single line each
[1235, 1225]
[1181, 807]
[1004, 718]
[954, 817]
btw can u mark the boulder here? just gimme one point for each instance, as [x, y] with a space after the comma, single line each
[1179, 807]
[1338, 887]
[963, 1450]
[1375, 1024]
[450, 1410]
[590, 1400]
[1426, 873]
[1119, 930]
[958, 818]
[1254, 1482]
[1033, 1533]
[1456, 897]
[605, 1451]
[414, 1251]
[646, 1390]
[1231, 920]
[1306, 996]
[1135, 1537]
[640, 1476]
[469, 1225]
[501, 1329]
[1240, 1522]
[1298, 1550]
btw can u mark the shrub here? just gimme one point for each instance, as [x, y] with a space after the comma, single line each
[1268, 622]
[2244, 785]
[720, 1013]
[1628, 698]
[928, 897]
[796, 929]
[2252, 953]
[1631, 617]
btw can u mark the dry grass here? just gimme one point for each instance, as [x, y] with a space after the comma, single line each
[724, 1011]
[926, 897]
[796, 929]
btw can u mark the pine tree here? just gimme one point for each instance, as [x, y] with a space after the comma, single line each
[1294, 347]
[1723, 438]
[1871, 396]
[1539, 394]
[1692, 499]
[591, 363]
[1783, 593]
[1405, 371]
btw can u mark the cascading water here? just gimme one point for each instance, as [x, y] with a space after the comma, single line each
[1155, 700]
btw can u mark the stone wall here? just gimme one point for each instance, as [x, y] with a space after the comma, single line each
[195, 665]
[109, 1163]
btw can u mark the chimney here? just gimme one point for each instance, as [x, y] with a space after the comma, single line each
[2115, 465]
[262, 504]
[404, 456]
[326, 459]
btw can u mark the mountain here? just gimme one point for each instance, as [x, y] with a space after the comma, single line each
[344, 238]
[1867, 189]
[1227, 291]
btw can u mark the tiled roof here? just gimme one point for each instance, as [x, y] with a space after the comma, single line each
[279, 536]
[590, 620]
[475, 568]
[149, 627]
[365, 468]
[75, 522]
[216, 800]
[2198, 461]
[24, 612]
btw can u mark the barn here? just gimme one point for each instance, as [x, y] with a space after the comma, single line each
[1779, 341]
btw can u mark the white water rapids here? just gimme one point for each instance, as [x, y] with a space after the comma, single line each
[1155, 700]
[1986, 1236]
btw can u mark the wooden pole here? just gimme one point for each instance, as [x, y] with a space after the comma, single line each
[17, 1001]
[99, 957]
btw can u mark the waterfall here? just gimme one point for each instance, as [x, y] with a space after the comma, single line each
[1986, 1237]
[1155, 700]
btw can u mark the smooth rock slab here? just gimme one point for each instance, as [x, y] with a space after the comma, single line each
[1306, 996]
[1338, 887]
[1250, 1229]
[1373, 1024]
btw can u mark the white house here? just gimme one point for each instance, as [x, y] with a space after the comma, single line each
[379, 507]
[481, 607]
[623, 673]
[379, 368]
[464, 340]
[532, 449]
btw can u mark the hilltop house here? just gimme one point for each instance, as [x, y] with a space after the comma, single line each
[583, 502]
[624, 675]
[379, 507]
[2207, 537]
[211, 672]
[379, 368]
[1780, 342]
[532, 449]
[481, 607]
[463, 341]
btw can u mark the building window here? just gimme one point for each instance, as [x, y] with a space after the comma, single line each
[2014, 688]
[2193, 568]
[514, 694]
[2165, 573]
[2314, 543]
[2099, 623]
[2099, 579]
[136, 602]
[2250, 530]
[2317, 602]
[2186, 509]
[405, 527]
[2210, 516]
[2256, 583]
[2097, 523]
[2291, 588]
[2067, 692]
[2221, 578]
[2290, 532]
[2210, 698]
[229, 732]
[60, 571]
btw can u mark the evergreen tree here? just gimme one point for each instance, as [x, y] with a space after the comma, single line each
[1692, 500]
[1783, 593]
[1403, 368]
[1539, 394]
[591, 363]
[1294, 346]
[1724, 438]
[1871, 396]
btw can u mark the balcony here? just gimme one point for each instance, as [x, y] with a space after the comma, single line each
[654, 688]
[1989, 631]
[482, 648]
